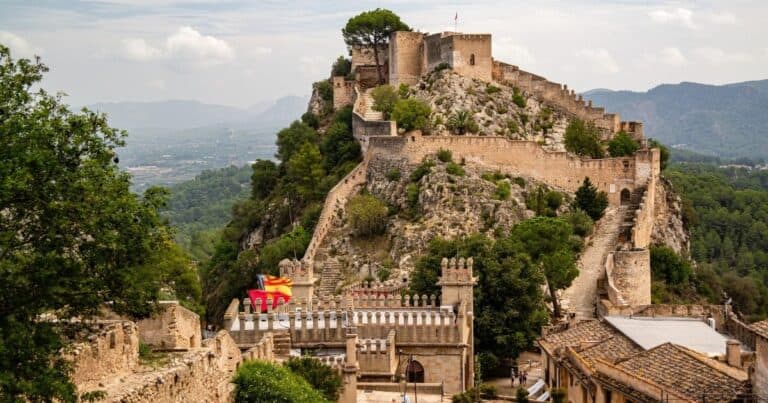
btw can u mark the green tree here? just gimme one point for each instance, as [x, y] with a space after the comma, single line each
[622, 145]
[508, 301]
[367, 215]
[668, 266]
[341, 67]
[521, 396]
[411, 114]
[264, 178]
[547, 241]
[558, 395]
[292, 138]
[305, 171]
[462, 122]
[320, 376]
[310, 119]
[339, 146]
[582, 138]
[259, 381]
[72, 234]
[384, 99]
[372, 29]
[580, 221]
[590, 200]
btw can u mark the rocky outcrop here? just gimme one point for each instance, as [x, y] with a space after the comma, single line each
[668, 226]
[493, 108]
[448, 206]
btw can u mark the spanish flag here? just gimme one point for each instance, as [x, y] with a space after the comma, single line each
[281, 285]
[270, 287]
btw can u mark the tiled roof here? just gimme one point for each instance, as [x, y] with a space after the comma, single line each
[685, 372]
[761, 327]
[611, 350]
[583, 332]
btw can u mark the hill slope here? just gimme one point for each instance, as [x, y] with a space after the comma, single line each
[725, 120]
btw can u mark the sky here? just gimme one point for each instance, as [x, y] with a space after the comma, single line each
[246, 52]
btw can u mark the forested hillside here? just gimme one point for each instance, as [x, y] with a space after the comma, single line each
[720, 120]
[727, 211]
[199, 208]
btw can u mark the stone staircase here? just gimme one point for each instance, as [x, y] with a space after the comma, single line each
[625, 237]
[581, 296]
[282, 342]
[369, 113]
[329, 278]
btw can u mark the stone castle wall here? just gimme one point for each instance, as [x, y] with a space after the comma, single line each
[632, 276]
[471, 55]
[112, 350]
[559, 169]
[173, 328]
[644, 217]
[343, 92]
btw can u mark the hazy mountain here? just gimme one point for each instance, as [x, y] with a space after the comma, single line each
[724, 120]
[181, 114]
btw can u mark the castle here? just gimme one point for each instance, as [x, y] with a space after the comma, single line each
[380, 339]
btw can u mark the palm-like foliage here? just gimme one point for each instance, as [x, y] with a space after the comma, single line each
[462, 122]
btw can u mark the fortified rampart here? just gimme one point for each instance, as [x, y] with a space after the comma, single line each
[112, 349]
[559, 169]
[174, 328]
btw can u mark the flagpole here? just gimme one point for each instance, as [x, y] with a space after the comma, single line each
[456, 22]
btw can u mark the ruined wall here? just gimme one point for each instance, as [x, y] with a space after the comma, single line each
[197, 376]
[336, 199]
[173, 328]
[559, 169]
[363, 56]
[112, 349]
[644, 217]
[406, 53]
[343, 92]
[471, 55]
[632, 276]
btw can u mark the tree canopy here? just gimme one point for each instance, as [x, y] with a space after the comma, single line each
[590, 200]
[622, 145]
[259, 381]
[582, 138]
[72, 234]
[372, 29]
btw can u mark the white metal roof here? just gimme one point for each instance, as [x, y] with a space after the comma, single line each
[651, 332]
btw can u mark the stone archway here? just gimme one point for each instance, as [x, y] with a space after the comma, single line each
[626, 196]
[414, 372]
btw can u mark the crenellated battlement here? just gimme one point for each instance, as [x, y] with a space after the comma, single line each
[459, 271]
[296, 270]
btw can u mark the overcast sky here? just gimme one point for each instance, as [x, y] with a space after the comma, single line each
[241, 52]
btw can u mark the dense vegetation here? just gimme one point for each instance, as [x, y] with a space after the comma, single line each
[727, 211]
[260, 381]
[200, 207]
[285, 203]
[72, 234]
[321, 376]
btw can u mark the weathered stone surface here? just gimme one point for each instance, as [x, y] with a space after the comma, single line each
[668, 226]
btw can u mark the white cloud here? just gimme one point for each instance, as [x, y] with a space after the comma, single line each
[157, 84]
[139, 50]
[672, 56]
[724, 18]
[189, 44]
[600, 60]
[18, 45]
[678, 15]
[717, 56]
[515, 54]
[186, 45]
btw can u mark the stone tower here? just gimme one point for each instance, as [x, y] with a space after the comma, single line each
[303, 278]
[456, 282]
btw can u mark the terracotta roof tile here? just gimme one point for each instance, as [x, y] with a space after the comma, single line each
[761, 327]
[611, 350]
[583, 332]
[684, 371]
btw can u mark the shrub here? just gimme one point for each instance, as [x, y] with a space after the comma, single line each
[590, 200]
[622, 145]
[454, 169]
[367, 215]
[259, 381]
[341, 67]
[518, 98]
[668, 266]
[492, 176]
[503, 190]
[411, 114]
[442, 66]
[663, 151]
[492, 89]
[488, 391]
[404, 91]
[263, 179]
[462, 122]
[444, 155]
[521, 396]
[580, 221]
[384, 274]
[393, 175]
[322, 377]
[310, 119]
[519, 181]
[583, 139]
[325, 89]
[553, 199]
[384, 99]
[423, 169]
[412, 194]
[558, 395]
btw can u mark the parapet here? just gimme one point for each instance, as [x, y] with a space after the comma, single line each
[297, 270]
[458, 271]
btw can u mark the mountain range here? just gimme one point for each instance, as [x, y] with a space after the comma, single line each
[728, 120]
